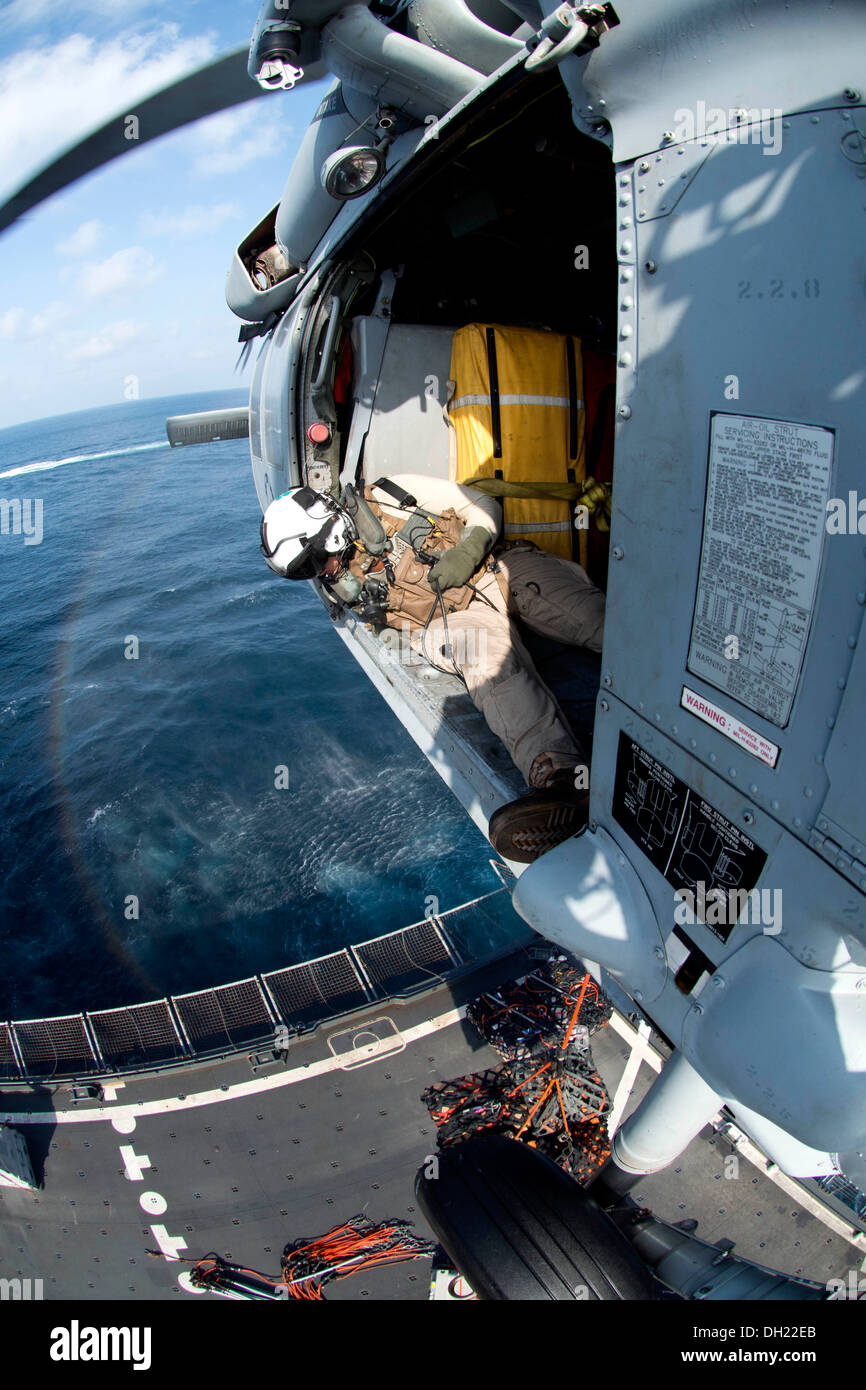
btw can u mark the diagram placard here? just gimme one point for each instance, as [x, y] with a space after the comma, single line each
[687, 839]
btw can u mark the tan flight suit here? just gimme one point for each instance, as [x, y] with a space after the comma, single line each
[552, 596]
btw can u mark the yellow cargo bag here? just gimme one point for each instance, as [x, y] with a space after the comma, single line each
[518, 414]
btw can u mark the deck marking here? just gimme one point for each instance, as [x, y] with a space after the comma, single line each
[628, 1078]
[153, 1202]
[169, 1245]
[743, 1145]
[364, 1045]
[647, 1052]
[110, 1090]
[124, 1118]
[134, 1163]
[185, 1281]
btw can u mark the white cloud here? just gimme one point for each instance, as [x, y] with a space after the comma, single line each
[11, 323]
[29, 14]
[127, 269]
[19, 326]
[83, 240]
[47, 319]
[106, 341]
[230, 140]
[92, 82]
[192, 222]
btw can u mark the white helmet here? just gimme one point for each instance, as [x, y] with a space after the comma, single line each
[302, 529]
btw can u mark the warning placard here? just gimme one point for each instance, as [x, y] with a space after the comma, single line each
[730, 726]
[766, 505]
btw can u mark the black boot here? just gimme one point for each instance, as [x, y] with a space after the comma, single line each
[526, 828]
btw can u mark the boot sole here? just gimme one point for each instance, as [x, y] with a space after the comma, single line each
[524, 834]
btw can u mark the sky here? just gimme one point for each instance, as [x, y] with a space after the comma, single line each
[122, 275]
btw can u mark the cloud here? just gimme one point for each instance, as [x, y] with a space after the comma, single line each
[11, 323]
[19, 326]
[48, 319]
[230, 140]
[193, 221]
[83, 240]
[30, 14]
[39, 118]
[128, 269]
[106, 341]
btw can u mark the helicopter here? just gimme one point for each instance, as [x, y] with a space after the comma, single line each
[675, 188]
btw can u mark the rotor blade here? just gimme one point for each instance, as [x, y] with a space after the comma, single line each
[220, 85]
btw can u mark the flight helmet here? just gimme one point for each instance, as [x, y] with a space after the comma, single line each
[302, 530]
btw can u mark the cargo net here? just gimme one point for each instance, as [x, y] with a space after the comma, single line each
[546, 1092]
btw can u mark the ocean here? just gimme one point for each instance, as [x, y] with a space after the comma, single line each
[154, 678]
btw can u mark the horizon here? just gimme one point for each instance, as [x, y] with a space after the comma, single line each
[124, 404]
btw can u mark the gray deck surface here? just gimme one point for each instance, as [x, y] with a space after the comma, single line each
[245, 1175]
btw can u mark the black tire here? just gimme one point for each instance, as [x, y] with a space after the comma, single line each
[518, 1227]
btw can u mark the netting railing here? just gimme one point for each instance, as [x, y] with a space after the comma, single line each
[214, 1022]
[55, 1046]
[225, 1018]
[9, 1063]
[404, 960]
[319, 989]
[142, 1034]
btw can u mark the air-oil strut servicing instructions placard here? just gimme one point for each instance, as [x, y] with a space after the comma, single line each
[687, 839]
[767, 488]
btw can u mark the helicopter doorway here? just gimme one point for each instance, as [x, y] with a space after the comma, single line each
[516, 231]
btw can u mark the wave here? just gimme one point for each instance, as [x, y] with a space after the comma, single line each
[46, 464]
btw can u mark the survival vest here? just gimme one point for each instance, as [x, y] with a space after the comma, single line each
[410, 596]
[518, 415]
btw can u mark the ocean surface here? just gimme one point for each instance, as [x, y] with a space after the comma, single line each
[154, 778]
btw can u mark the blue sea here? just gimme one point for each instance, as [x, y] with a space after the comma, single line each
[153, 778]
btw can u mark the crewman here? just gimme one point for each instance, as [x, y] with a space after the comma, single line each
[420, 554]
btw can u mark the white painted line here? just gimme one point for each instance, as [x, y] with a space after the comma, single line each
[169, 1245]
[154, 1203]
[365, 1044]
[813, 1205]
[133, 1163]
[631, 1035]
[109, 1091]
[744, 1145]
[124, 1118]
[628, 1078]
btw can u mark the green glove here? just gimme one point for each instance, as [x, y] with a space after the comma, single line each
[460, 563]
